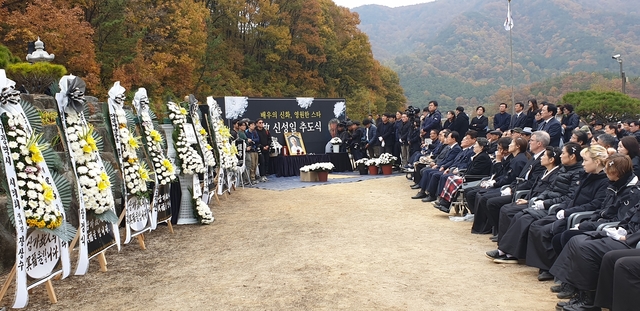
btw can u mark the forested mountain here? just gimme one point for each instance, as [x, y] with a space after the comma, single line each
[457, 52]
[278, 48]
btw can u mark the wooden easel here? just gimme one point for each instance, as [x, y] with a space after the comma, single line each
[140, 236]
[216, 180]
[102, 260]
[48, 284]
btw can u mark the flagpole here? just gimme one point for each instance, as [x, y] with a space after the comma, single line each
[513, 97]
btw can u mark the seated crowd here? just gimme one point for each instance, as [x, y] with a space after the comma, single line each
[552, 194]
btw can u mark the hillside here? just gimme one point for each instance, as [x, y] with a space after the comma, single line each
[448, 50]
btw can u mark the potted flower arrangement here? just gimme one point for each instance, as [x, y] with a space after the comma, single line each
[361, 165]
[386, 161]
[336, 142]
[372, 164]
[322, 169]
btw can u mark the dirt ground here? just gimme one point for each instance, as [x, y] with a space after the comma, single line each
[355, 246]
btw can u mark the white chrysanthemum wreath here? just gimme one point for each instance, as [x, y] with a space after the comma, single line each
[202, 211]
[135, 172]
[165, 172]
[228, 151]
[207, 150]
[36, 194]
[92, 177]
[190, 159]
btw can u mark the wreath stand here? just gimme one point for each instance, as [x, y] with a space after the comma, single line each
[47, 281]
[102, 259]
[139, 236]
[216, 180]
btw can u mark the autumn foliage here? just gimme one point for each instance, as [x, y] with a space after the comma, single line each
[278, 48]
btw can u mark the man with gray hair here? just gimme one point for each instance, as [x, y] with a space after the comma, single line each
[530, 172]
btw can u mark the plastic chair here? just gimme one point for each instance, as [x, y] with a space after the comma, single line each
[577, 218]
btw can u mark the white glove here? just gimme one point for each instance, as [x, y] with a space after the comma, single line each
[506, 191]
[400, 141]
[615, 234]
[380, 138]
[383, 144]
[576, 227]
[491, 182]
[538, 204]
[560, 214]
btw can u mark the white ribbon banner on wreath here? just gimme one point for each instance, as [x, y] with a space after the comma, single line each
[38, 252]
[138, 210]
[101, 228]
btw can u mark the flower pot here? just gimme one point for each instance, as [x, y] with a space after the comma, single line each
[373, 170]
[323, 176]
[387, 169]
[336, 148]
[363, 170]
[309, 176]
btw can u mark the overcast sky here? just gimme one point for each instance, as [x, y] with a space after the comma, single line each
[390, 3]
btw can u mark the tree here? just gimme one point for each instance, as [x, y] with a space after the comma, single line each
[171, 40]
[62, 29]
[604, 106]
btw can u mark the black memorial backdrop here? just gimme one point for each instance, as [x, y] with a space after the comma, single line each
[310, 117]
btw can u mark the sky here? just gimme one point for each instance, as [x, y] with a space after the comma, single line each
[390, 3]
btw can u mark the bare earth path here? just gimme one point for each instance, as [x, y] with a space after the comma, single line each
[356, 246]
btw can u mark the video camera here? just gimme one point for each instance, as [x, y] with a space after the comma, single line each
[412, 111]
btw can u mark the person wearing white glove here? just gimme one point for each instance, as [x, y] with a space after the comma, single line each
[505, 191]
[538, 204]
[560, 214]
[617, 234]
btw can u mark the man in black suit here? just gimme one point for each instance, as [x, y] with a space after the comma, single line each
[550, 124]
[519, 118]
[453, 150]
[462, 160]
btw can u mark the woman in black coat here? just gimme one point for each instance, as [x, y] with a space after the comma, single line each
[621, 196]
[579, 262]
[461, 123]
[518, 148]
[513, 240]
[588, 196]
[629, 146]
[546, 182]
[479, 123]
[448, 123]
[532, 109]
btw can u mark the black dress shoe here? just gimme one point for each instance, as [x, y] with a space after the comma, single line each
[567, 291]
[415, 186]
[429, 199]
[420, 195]
[494, 254]
[545, 276]
[494, 238]
[444, 209]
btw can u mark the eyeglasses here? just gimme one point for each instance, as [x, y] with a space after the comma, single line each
[260, 122]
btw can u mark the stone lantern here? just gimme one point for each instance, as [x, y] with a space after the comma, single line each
[39, 55]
